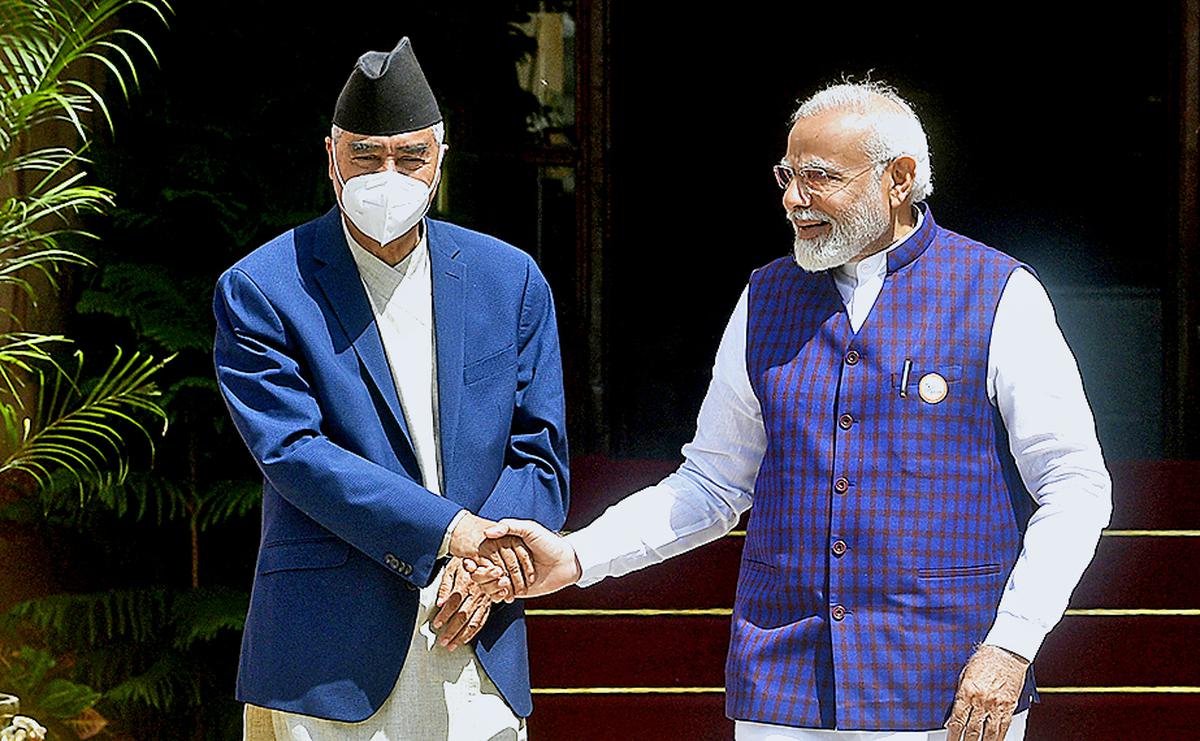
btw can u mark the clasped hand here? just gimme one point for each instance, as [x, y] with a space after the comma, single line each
[464, 606]
[513, 558]
[553, 559]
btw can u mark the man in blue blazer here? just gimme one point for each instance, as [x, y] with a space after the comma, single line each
[398, 381]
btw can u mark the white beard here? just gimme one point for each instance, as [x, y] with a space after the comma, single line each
[864, 222]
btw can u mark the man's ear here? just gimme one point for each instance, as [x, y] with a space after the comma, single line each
[904, 174]
[329, 157]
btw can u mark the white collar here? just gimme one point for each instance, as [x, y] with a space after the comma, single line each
[380, 274]
[876, 264]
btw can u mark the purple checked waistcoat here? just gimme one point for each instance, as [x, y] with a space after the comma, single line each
[884, 526]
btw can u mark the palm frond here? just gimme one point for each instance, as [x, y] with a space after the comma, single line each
[142, 496]
[200, 615]
[167, 684]
[43, 39]
[81, 431]
[228, 500]
[96, 619]
[22, 354]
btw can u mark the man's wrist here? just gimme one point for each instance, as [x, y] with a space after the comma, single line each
[590, 566]
[1013, 654]
[444, 549]
[1017, 635]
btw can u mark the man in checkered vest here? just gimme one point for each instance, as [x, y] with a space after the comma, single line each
[899, 405]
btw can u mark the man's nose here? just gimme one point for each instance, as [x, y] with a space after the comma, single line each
[795, 196]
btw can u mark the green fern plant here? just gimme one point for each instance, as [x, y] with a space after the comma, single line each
[43, 43]
[56, 422]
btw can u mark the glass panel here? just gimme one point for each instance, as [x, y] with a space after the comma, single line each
[549, 74]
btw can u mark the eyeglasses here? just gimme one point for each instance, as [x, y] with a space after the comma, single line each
[817, 180]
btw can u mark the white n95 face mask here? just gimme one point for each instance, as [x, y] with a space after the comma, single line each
[385, 205]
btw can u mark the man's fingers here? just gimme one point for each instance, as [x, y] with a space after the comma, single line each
[471, 625]
[998, 720]
[498, 530]
[990, 726]
[1002, 728]
[955, 728]
[959, 714]
[449, 607]
[526, 560]
[494, 591]
[461, 619]
[974, 729]
[445, 584]
[513, 564]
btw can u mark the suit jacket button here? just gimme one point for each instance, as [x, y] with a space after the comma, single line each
[392, 562]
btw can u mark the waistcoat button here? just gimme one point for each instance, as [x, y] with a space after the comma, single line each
[841, 485]
[845, 421]
[838, 612]
[852, 357]
[839, 547]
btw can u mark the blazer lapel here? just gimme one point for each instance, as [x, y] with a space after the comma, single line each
[449, 276]
[339, 280]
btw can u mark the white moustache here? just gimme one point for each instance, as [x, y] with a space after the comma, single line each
[806, 214]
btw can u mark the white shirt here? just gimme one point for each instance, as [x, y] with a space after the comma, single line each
[439, 695]
[1031, 378]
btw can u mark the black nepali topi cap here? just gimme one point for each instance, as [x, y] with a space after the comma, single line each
[386, 94]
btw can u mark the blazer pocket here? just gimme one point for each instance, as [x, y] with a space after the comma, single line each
[490, 365]
[301, 555]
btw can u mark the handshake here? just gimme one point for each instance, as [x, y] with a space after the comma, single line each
[513, 558]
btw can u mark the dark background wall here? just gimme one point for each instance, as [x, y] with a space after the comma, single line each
[1052, 137]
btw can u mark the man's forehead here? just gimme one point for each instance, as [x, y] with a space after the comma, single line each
[422, 138]
[831, 135]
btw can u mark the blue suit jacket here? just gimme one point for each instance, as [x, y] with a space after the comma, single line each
[349, 533]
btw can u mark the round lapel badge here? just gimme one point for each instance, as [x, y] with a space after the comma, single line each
[932, 388]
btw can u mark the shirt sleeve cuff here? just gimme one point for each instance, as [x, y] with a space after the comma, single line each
[1016, 634]
[589, 551]
[444, 549]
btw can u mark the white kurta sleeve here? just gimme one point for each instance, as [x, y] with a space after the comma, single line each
[707, 495]
[1034, 382]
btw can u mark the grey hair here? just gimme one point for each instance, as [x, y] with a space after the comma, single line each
[439, 132]
[893, 128]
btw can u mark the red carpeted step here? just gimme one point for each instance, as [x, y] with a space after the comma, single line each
[1141, 572]
[664, 651]
[1094, 717]
[705, 577]
[1156, 495]
[1141, 651]
[630, 718]
[670, 651]
[1103, 717]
